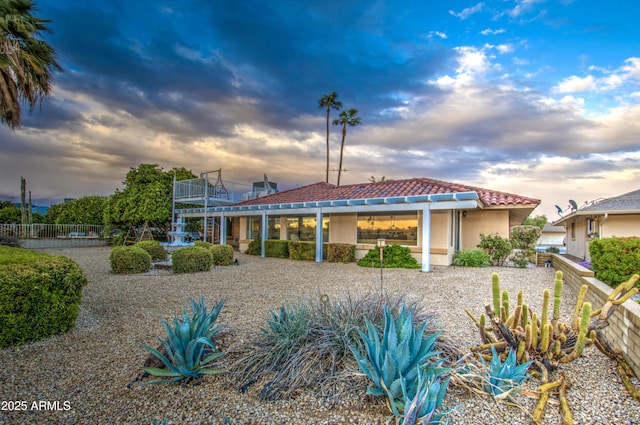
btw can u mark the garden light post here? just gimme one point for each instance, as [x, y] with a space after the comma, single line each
[381, 244]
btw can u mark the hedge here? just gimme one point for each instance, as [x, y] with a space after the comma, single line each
[615, 260]
[39, 295]
[341, 253]
[276, 248]
[299, 250]
[191, 259]
[394, 256]
[129, 259]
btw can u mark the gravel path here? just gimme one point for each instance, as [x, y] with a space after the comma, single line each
[88, 370]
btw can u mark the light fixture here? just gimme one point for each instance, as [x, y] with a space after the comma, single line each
[464, 213]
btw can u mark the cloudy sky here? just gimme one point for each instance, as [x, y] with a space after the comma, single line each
[540, 98]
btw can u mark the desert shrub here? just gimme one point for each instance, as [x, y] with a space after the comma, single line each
[129, 259]
[524, 237]
[203, 244]
[255, 247]
[191, 259]
[276, 248]
[471, 258]
[302, 250]
[521, 258]
[305, 344]
[497, 247]
[394, 256]
[615, 260]
[341, 253]
[9, 240]
[39, 295]
[154, 249]
[222, 255]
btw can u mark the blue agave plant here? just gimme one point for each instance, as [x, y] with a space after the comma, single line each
[504, 379]
[421, 408]
[186, 342]
[394, 361]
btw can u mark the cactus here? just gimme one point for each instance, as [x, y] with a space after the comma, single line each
[557, 294]
[495, 289]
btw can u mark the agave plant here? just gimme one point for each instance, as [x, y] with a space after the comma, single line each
[185, 344]
[421, 408]
[504, 379]
[395, 361]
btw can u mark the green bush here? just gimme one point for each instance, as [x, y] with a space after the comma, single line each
[203, 244]
[341, 253]
[39, 295]
[154, 249]
[472, 258]
[553, 250]
[129, 259]
[299, 250]
[615, 260]
[222, 255]
[191, 259]
[521, 258]
[497, 247]
[394, 256]
[524, 237]
[255, 247]
[276, 248]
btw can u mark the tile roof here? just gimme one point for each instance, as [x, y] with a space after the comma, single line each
[415, 186]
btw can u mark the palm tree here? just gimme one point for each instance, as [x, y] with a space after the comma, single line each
[329, 101]
[346, 118]
[26, 62]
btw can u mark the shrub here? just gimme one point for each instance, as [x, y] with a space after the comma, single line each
[471, 258]
[185, 344]
[154, 249]
[497, 247]
[341, 253]
[9, 240]
[255, 247]
[524, 237]
[276, 248]
[222, 255]
[129, 259]
[615, 260]
[521, 258]
[191, 259]
[299, 250]
[394, 256]
[306, 345]
[203, 244]
[39, 295]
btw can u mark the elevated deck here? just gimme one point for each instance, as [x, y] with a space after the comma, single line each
[209, 191]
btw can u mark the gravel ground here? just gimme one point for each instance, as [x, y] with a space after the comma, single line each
[87, 371]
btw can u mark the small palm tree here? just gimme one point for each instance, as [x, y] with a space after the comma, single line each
[26, 62]
[346, 118]
[329, 101]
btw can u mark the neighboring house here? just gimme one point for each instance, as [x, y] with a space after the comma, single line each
[551, 236]
[432, 217]
[617, 216]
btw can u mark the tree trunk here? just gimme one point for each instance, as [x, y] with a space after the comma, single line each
[344, 134]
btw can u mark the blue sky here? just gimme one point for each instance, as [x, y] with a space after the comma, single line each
[539, 98]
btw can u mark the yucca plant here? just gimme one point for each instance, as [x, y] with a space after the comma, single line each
[395, 360]
[504, 378]
[421, 408]
[185, 344]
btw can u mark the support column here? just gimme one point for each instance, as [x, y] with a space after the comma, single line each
[319, 242]
[223, 229]
[264, 232]
[426, 238]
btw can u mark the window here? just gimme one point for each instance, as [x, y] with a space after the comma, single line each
[573, 230]
[301, 228]
[399, 228]
[253, 227]
[273, 226]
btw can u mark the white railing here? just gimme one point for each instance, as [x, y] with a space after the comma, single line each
[52, 231]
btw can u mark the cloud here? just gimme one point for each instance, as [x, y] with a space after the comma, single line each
[466, 13]
[489, 31]
[627, 74]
